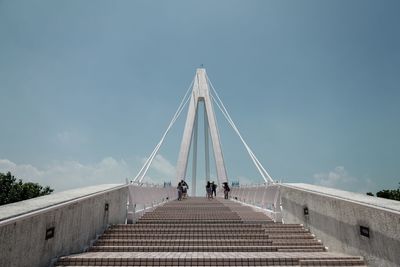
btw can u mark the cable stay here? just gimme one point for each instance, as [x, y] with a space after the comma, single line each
[265, 175]
[143, 171]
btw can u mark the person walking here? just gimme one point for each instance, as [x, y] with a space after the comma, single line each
[209, 190]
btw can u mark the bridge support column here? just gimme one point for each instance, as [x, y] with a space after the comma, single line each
[201, 92]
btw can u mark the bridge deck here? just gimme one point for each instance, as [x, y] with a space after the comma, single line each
[202, 232]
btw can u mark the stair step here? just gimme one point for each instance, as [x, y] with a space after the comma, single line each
[204, 235]
[313, 248]
[208, 259]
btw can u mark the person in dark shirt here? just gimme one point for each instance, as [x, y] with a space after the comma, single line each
[214, 188]
[226, 190]
[209, 190]
[180, 190]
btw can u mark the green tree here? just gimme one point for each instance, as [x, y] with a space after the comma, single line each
[12, 190]
[388, 193]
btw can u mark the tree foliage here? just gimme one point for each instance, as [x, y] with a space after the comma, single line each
[388, 193]
[12, 190]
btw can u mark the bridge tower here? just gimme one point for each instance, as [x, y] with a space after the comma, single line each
[200, 94]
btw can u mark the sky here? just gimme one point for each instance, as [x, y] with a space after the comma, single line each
[87, 88]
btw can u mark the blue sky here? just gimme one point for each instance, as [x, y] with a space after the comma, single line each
[88, 87]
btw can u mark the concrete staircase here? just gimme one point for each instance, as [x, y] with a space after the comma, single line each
[203, 232]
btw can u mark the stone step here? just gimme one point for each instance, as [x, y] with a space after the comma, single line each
[309, 248]
[210, 231]
[332, 262]
[188, 225]
[205, 235]
[194, 221]
[203, 242]
[206, 226]
[209, 259]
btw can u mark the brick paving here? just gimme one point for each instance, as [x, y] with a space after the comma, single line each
[202, 232]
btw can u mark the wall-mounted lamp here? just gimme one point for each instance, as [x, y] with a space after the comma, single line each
[364, 231]
[50, 232]
[305, 211]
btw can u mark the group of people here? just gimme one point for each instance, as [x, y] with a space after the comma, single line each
[211, 189]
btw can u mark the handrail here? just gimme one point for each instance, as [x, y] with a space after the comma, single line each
[149, 196]
[265, 197]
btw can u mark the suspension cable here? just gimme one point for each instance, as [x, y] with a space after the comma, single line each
[244, 143]
[149, 160]
[224, 111]
[160, 143]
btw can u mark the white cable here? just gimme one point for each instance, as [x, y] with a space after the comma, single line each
[154, 152]
[156, 149]
[169, 126]
[160, 143]
[244, 143]
[259, 166]
[249, 151]
[228, 117]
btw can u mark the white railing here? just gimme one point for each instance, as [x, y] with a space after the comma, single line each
[264, 197]
[144, 197]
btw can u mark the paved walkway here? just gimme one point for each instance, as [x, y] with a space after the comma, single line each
[202, 232]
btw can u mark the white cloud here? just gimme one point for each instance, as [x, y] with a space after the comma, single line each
[72, 174]
[163, 166]
[22, 170]
[341, 179]
[160, 170]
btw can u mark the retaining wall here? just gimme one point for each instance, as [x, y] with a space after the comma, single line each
[346, 222]
[35, 232]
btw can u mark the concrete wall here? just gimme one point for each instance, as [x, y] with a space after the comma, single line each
[335, 217]
[77, 216]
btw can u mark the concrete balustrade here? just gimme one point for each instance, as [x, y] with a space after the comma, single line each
[144, 197]
[346, 222]
[36, 231]
[267, 198]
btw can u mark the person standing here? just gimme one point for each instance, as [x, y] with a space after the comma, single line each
[214, 189]
[226, 190]
[185, 187]
[180, 191]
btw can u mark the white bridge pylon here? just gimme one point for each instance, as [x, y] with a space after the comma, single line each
[200, 93]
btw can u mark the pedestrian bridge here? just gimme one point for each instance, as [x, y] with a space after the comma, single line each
[307, 226]
[139, 224]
